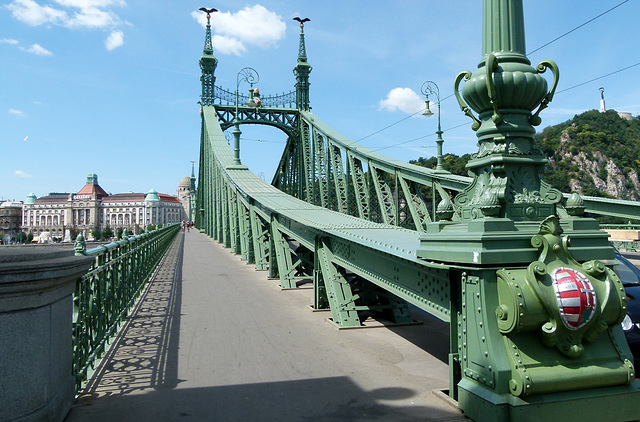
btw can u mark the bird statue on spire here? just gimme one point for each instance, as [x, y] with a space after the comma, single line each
[208, 12]
[302, 21]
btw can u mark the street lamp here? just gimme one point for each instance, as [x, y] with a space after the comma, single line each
[249, 75]
[430, 88]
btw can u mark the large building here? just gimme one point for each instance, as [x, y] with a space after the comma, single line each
[10, 221]
[92, 208]
[186, 193]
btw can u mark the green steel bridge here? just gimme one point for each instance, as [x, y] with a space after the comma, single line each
[496, 255]
[517, 268]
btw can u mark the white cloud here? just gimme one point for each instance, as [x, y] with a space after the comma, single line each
[403, 99]
[115, 40]
[22, 174]
[228, 45]
[85, 4]
[8, 41]
[15, 112]
[31, 13]
[92, 18]
[253, 25]
[38, 50]
[78, 13]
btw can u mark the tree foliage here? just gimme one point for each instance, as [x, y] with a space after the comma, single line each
[593, 132]
[451, 162]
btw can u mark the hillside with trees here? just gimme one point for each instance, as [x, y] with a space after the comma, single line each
[593, 154]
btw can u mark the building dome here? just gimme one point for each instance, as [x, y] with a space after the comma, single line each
[31, 199]
[185, 183]
[152, 196]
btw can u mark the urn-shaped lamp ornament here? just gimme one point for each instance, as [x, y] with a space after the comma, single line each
[504, 92]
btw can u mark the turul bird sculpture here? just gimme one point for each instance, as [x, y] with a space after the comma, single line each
[302, 21]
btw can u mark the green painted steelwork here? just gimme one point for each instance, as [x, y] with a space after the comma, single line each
[107, 292]
[480, 253]
[534, 317]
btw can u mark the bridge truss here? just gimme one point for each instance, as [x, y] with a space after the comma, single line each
[357, 224]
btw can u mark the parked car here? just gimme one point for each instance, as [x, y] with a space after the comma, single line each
[630, 276]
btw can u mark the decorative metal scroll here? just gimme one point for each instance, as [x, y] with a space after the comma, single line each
[226, 97]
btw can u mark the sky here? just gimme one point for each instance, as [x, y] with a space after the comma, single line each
[111, 87]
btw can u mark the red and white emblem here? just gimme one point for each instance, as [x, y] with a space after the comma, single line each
[576, 297]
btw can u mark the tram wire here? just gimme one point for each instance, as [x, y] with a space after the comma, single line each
[535, 50]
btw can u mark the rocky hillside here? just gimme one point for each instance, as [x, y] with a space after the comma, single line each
[594, 154]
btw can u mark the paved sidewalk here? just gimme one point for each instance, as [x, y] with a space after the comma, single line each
[214, 340]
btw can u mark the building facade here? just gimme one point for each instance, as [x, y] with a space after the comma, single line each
[186, 193]
[10, 221]
[59, 215]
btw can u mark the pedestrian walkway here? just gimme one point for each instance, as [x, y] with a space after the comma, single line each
[212, 339]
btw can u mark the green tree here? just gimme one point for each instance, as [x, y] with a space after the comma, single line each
[96, 233]
[107, 233]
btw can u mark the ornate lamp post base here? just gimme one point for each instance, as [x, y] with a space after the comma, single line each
[535, 315]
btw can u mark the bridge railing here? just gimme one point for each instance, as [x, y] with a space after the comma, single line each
[106, 293]
[299, 242]
[327, 169]
[225, 97]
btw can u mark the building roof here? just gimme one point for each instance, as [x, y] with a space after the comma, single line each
[185, 182]
[125, 197]
[168, 198]
[152, 196]
[90, 189]
[55, 198]
[10, 204]
[140, 197]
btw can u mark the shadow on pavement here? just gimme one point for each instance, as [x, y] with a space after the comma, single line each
[313, 400]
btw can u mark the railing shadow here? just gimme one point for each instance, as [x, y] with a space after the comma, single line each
[144, 354]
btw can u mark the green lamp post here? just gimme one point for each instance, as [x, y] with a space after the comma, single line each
[431, 88]
[535, 313]
[251, 76]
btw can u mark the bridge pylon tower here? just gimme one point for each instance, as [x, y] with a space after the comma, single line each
[302, 70]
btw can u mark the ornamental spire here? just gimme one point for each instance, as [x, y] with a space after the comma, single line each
[208, 63]
[302, 70]
[302, 50]
[208, 47]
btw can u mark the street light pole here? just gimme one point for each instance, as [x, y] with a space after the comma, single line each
[249, 75]
[431, 88]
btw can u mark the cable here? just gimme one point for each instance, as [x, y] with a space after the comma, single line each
[599, 77]
[578, 27]
[420, 137]
[393, 124]
[558, 92]
[537, 49]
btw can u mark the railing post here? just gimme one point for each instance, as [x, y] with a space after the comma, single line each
[36, 308]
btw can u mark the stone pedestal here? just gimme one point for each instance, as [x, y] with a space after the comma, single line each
[36, 352]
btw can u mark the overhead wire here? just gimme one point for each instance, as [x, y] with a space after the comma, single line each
[578, 27]
[533, 51]
[599, 77]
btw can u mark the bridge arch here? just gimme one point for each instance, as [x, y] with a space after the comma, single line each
[285, 119]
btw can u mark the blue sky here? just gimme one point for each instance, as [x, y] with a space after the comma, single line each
[111, 86]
